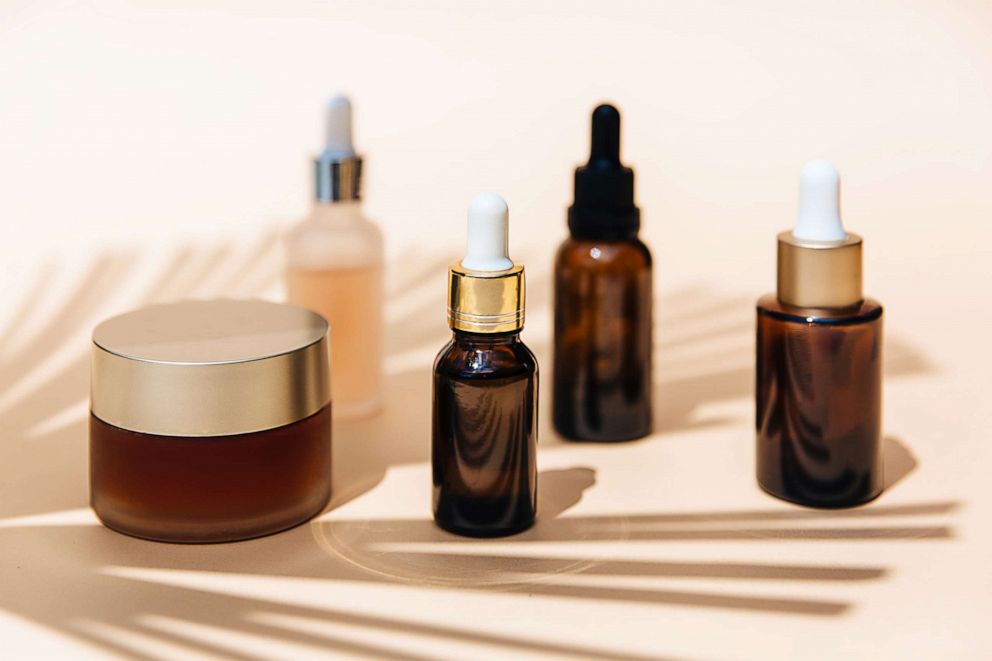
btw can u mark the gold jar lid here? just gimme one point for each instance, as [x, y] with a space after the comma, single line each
[210, 368]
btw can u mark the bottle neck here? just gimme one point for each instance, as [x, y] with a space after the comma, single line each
[465, 338]
[626, 234]
[342, 212]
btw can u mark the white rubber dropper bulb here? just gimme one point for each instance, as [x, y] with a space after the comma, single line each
[488, 232]
[337, 138]
[819, 203]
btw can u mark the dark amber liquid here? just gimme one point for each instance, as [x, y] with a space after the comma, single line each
[484, 435]
[819, 403]
[210, 489]
[602, 378]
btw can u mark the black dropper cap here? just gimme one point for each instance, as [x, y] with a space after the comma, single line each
[604, 188]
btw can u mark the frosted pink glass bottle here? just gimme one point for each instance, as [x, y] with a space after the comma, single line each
[334, 267]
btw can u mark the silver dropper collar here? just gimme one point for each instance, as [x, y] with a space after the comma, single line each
[337, 177]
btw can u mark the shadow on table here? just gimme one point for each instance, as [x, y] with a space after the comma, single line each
[103, 587]
[109, 589]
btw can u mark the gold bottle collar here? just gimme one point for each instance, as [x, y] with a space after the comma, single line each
[819, 275]
[486, 301]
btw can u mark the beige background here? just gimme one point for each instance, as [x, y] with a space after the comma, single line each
[152, 151]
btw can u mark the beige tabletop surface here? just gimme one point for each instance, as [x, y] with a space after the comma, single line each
[153, 152]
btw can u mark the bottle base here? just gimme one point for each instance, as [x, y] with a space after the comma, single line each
[217, 535]
[605, 440]
[473, 516]
[621, 437]
[821, 504]
[482, 532]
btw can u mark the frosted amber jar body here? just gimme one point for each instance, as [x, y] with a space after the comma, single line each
[210, 489]
[210, 420]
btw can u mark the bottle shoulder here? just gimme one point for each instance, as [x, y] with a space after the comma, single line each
[323, 222]
[476, 357]
[624, 255]
[868, 310]
[327, 239]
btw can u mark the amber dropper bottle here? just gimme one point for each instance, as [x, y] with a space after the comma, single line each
[819, 361]
[602, 318]
[484, 431]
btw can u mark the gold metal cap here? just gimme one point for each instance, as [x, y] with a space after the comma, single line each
[486, 301]
[209, 368]
[814, 274]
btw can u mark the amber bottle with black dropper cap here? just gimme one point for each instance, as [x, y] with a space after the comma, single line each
[484, 429]
[819, 361]
[602, 318]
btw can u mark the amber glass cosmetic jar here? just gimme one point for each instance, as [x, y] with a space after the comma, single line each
[210, 420]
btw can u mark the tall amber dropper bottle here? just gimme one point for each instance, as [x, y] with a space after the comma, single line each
[602, 318]
[484, 430]
[334, 260]
[819, 361]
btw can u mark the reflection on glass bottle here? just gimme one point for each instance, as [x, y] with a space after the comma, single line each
[485, 434]
[602, 322]
[484, 428]
[819, 361]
